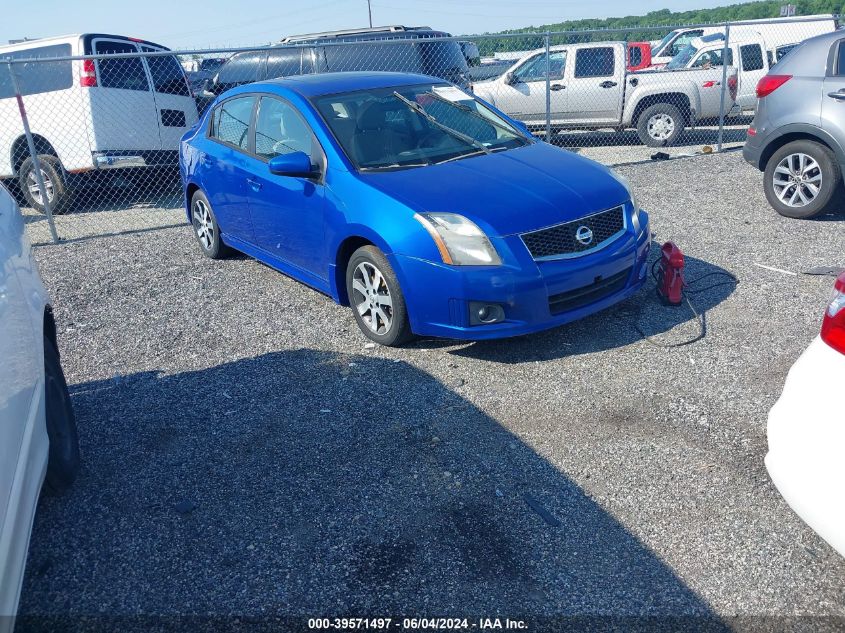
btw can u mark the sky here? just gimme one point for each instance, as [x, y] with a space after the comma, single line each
[184, 24]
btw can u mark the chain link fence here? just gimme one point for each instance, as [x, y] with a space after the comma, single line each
[90, 125]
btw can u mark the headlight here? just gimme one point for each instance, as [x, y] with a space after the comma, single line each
[635, 213]
[460, 241]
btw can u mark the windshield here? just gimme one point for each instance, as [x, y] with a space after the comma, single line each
[682, 59]
[657, 47]
[414, 126]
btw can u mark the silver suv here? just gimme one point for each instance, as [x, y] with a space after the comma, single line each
[797, 137]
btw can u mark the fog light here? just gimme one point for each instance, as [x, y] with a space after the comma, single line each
[485, 313]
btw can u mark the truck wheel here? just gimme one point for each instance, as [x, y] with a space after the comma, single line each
[58, 193]
[801, 178]
[660, 125]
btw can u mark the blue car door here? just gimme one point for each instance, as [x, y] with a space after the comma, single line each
[287, 212]
[225, 163]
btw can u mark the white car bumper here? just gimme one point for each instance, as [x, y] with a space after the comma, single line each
[806, 432]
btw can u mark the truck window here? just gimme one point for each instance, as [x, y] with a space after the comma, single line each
[168, 77]
[126, 73]
[712, 59]
[594, 62]
[635, 56]
[840, 58]
[682, 41]
[37, 77]
[752, 57]
[535, 68]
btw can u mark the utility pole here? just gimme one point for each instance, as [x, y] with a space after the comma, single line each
[370, 12]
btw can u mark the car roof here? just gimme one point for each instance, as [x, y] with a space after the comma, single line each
[320, 84]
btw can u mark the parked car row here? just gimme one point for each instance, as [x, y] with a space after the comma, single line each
[95, 115]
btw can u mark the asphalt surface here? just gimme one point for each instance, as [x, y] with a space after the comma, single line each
[247, 453]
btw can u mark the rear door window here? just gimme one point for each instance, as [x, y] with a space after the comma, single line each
[230, 121]
[594, 62]
[167, 73]
[242, 68]
[752, 57]
[284, 63]
[37, 77]
[400, 57]
[125, 73]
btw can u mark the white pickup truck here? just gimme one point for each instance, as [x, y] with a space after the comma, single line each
[590, 88]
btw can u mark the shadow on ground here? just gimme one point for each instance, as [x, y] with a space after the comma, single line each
[641, 318]
[306, 483]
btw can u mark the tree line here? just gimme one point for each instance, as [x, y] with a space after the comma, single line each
[734, 12]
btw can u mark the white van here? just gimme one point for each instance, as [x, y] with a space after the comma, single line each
[775, 31]
[746, 50]
[90, 115]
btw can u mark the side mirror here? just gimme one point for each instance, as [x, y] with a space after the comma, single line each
[296, 164]
[511, 79]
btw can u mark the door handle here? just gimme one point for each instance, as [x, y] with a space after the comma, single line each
[255, 184]
[557, 87]
[839, 95]
[607, 84]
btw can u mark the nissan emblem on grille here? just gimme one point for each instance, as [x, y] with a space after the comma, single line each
[584, 235]
[576, 237]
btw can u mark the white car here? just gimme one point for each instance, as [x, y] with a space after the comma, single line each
[38, 440]
[89, 115]
[806, 458]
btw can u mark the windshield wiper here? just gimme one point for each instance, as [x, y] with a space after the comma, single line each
[490, 150]
[416, 107]
[394, 166]
[473, 112]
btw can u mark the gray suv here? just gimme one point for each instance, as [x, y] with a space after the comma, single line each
[797, 137]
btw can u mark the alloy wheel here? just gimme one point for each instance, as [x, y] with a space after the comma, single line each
[203, 224]
[371, 297]
[797, 180]
[35, 190]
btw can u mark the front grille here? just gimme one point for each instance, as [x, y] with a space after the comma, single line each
[560, 242]
[585, 295]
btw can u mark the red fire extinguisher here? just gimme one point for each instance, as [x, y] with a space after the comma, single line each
[670, 274]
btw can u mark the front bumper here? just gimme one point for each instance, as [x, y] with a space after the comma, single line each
[806, 433]
[530, 292]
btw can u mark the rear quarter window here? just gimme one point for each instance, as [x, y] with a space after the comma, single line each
[37, 77]
[399, 57]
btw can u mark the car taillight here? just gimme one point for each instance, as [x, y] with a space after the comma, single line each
[732, 85]
[833, 326]
[768, 84]
[88, 76]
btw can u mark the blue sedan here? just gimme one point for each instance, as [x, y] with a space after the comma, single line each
[425, 209]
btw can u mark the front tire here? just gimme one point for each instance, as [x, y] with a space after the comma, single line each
[206, 229]
[801, 179]
[59, 194]
[660, 125]
[64, 460]
[376, 299]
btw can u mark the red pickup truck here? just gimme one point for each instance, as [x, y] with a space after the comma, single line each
[639, 55]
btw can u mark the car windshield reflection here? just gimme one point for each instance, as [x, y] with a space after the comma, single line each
[415, 126]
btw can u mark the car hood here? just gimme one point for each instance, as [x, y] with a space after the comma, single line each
[507, 192]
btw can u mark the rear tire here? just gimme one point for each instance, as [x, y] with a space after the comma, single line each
[64, 460]
[801, 192]
[660, 125]
[206, 228]
[59, 195]
[376, 299]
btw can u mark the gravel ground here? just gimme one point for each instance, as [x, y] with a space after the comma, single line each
[246, 453]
